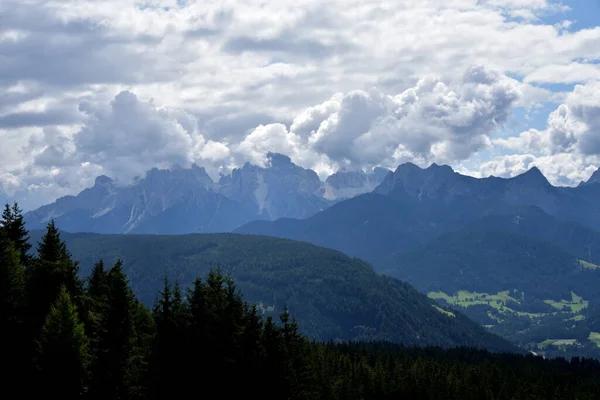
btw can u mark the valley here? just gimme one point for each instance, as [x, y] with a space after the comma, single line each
[332, 296]
[514, 255]
[505, 308]
[301, 200]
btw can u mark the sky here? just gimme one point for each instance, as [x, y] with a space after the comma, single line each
[117, 87]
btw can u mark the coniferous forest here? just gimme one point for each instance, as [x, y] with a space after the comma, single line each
[67, 338]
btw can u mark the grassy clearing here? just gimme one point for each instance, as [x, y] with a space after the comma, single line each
[588, 265]
[465, 299]
[575, 305]
[576, 318]
[448, 313]
[557, 342]
[595, 338]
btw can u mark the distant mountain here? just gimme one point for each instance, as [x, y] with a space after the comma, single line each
[594, 178]
[532, 222]
[531, 292]
[282, 189]
[347, 183]
[483, 260]
[331, 295]
[413, 205]
[164, 201]
[182, 200]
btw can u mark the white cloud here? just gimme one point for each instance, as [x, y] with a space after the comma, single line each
[220, 82]
[561, 169]
[567, 151]
[573, 127]
[568, 73]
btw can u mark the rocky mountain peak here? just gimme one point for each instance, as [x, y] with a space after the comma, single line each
[349, 182]
[103, 180]
[278, 160]
[595, 178]
[416, 181]
[533, 177]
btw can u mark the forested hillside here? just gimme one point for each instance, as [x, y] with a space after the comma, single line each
[68, 338]
[331, 295]
[517, 255]
[531, 292]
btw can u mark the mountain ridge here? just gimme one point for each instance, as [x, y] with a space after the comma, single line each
[332, 296]
[187, 200]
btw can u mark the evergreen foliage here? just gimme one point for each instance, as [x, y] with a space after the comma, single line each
[334, 297]
[210, 342]
[13, 226]
[62, 352]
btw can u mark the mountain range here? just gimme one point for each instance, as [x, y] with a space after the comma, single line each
[517, 255]
[413, 205]
[180, 200]
[332, 296]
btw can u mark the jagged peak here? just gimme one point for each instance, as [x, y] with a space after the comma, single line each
[411, 167]
[440, 167]
[533, 175]
[103, 180]
[407, 166]
[595, 177]
[274, 159]
[380, 169]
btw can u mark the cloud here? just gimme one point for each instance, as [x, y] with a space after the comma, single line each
[287, 44]
[567, 151]
[129, 137]
[38, 118]
[562, 169]
[569, 73]
[573, 126]
[119, 86]
[433, 121]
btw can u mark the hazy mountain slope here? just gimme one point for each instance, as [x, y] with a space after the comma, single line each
[186, 200]
[332, 296]
[414, 205]
[167, 201]
[490, 261]
[529, 291]
[348, 183]
[581, 241]
[366, 226]
[281, 189]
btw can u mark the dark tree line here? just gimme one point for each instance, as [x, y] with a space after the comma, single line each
[71, 339]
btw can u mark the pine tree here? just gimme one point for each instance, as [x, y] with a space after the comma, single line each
[138, 367]
[96, 296]
[96, 303]
[168, 344]
[13, 332]
[97, 288]
[52, 269]
[275, 360]
[196, 335]
[13, 224]
[52, 248]
[62, 351]
[115, 339]
[12, 286]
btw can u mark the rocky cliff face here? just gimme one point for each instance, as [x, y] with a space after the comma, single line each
[180, 200]
[144, 206]
[346, 183]
[281, 189]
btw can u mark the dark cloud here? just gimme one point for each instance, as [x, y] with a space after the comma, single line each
[288, 43]
[233, 126]
[67, 53]
[52, 116]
